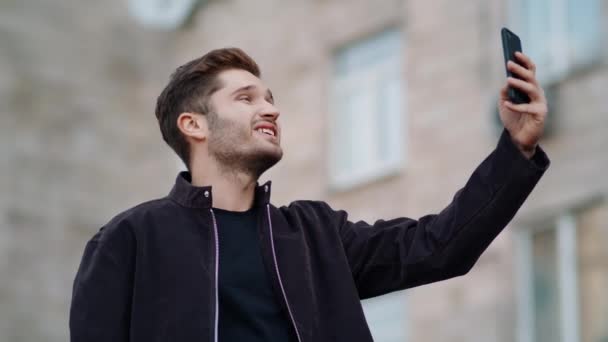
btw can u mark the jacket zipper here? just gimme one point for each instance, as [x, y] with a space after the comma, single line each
[276, 267]
[217, 258]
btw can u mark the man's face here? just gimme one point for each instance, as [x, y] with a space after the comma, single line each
[244, 130]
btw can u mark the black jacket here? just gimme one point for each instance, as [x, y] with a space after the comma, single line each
[150, 274]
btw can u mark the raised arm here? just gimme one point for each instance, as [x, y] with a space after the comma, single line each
[402, 253]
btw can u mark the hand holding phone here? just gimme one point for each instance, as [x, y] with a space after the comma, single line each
[522, 106]
[511, 44]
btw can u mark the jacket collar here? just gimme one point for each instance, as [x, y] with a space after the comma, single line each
[188, 195]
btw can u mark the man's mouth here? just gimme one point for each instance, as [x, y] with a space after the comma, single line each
[267, 131]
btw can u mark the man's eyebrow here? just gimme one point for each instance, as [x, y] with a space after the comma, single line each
[252, 87]
[244, 88]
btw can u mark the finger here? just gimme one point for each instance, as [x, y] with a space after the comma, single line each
[522, 72]
[529, 108]
[521, 108]
[526, 61]
[527, 87]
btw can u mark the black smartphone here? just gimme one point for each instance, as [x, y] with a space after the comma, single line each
[510, 44]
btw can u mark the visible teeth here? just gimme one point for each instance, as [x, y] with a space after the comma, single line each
[266, 131]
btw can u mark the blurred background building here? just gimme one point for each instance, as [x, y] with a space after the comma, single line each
[387, 107]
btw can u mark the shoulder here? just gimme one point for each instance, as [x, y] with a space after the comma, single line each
[313, 210]
[124, 225]
[304, 207]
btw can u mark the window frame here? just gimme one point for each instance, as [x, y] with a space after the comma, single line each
[559, 42]
[341, 179]
[565, 226]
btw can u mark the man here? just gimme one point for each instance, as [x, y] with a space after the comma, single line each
[215, 261]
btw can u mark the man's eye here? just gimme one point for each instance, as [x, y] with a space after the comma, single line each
[244, 98]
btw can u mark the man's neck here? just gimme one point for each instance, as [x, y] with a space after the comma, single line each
[231, 191]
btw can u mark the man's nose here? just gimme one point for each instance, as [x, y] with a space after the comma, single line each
[270, 112]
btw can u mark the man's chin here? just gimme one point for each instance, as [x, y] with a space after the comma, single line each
[253, 161]
[271, 150]
[264, 161]
[271, 157]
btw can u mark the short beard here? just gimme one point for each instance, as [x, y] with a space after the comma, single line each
[223, 147]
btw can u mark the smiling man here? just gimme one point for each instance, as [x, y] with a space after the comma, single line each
[214, 260]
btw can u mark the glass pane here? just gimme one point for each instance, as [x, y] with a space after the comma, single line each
[584, 29]
[342, 134]
[593, 274]
[538, 33]
[386, 317]
[367, 53]
[545, 278]
[363, 134]
[388, 119]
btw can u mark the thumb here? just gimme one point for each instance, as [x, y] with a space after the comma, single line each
[504, 95]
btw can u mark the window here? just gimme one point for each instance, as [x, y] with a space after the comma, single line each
[562, 279]
[386, 317]
[559, 35]
[164, 14]
[592, 263]
[367, 105]
[548, 307]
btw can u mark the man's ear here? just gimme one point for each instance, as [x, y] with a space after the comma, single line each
[193, 125]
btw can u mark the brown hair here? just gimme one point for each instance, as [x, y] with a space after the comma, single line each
[189, 89]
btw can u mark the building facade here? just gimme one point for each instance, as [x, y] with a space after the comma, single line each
[387, 107]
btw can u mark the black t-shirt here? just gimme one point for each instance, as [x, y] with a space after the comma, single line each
[249, 310]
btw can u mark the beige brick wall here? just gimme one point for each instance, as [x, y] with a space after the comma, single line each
[82, 143]
[77, 136]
